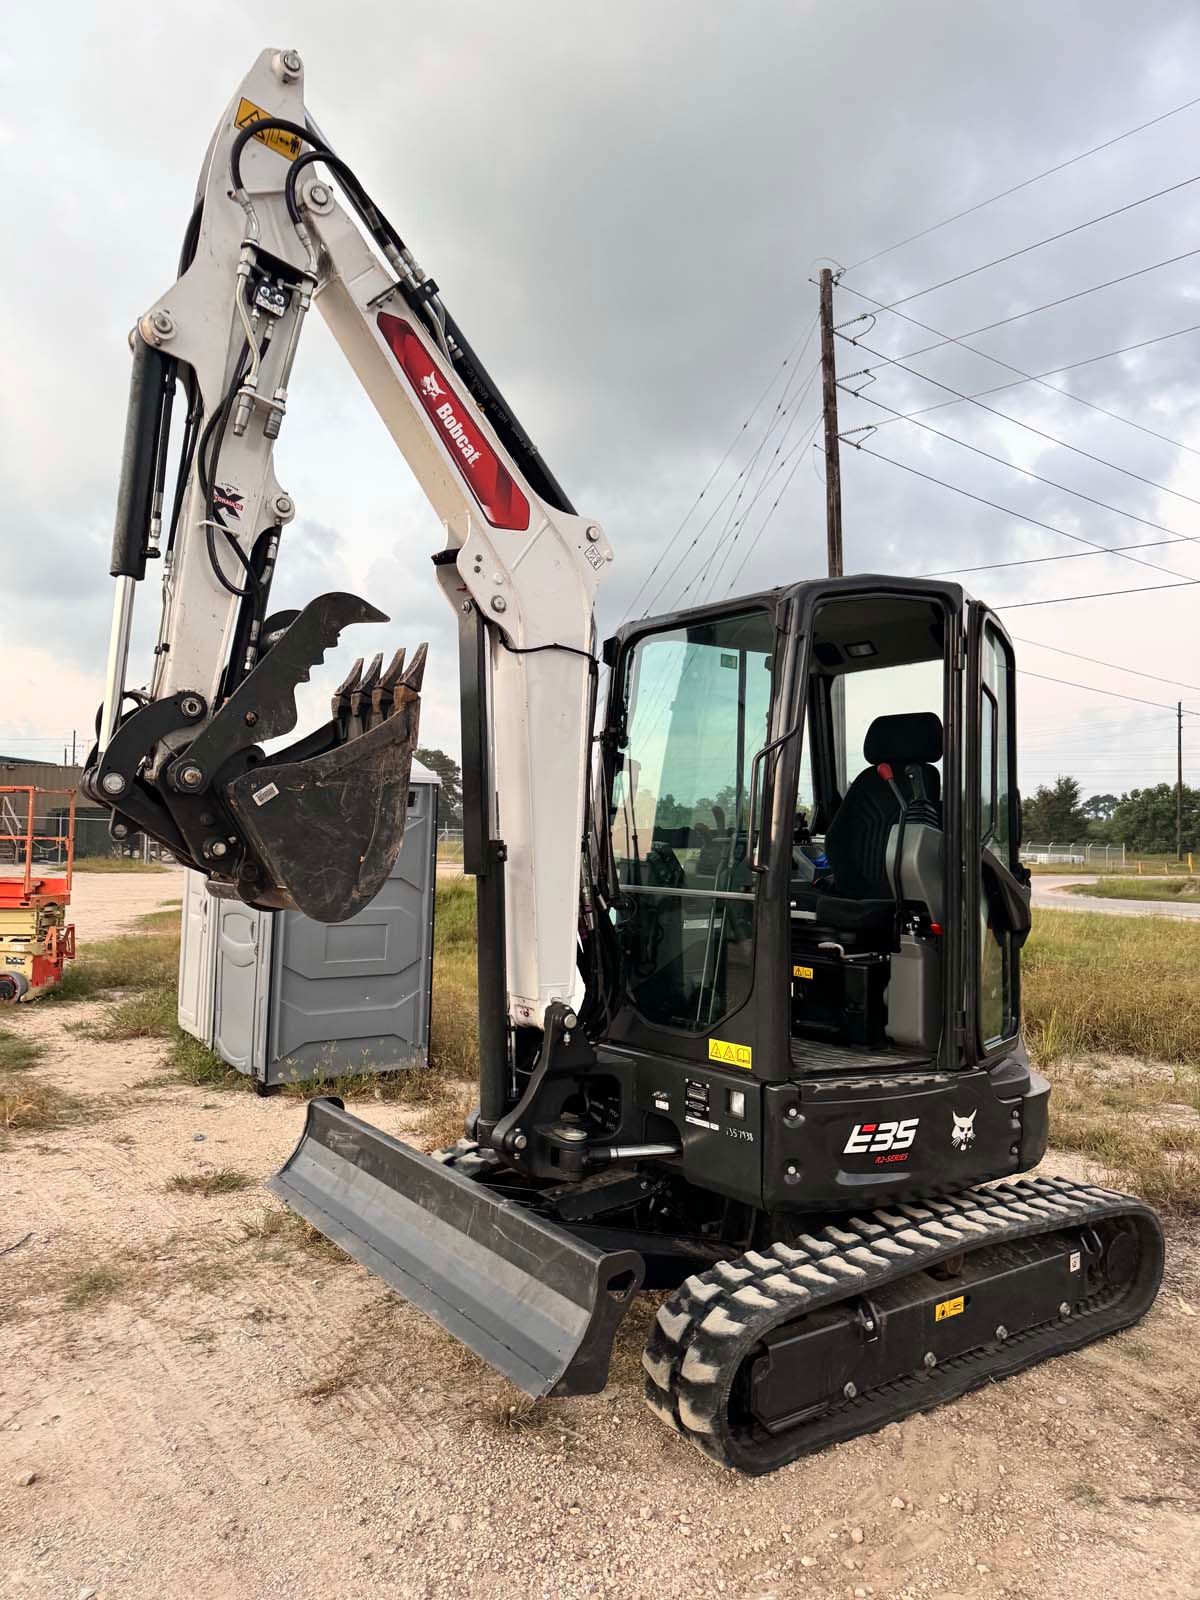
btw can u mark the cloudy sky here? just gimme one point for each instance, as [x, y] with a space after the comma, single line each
[624, 206]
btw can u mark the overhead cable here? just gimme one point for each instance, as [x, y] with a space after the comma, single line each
[1025, 183]
[1029, 311]
[1017, 422]
[1096, 661]
[800, 346]
[1052, 238]
[1021, 516]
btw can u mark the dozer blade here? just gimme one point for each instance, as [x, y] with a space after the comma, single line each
[539, 1305]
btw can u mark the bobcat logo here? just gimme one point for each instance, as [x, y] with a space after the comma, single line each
[431, 387]
[962, 1134]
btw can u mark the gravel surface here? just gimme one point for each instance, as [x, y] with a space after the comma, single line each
[191, 1407]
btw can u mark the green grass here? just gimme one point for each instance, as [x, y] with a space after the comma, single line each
[149, 1015]
[1181, 890]
[1096, 987]
[454, 1034]
[17, 1053]
[192, 1062]
[134, 961]
[116, 864]
[1123, 985]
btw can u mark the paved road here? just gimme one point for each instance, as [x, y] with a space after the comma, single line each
[1051, 892]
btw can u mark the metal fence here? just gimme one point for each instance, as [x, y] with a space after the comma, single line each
[1108, 856]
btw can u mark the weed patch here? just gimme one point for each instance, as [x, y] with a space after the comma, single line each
[1142, 1126]
[194, 1063]
[287, 1228]
[343, 1375]
[225, 1180]
[103, 1281]
[29, 1104]
[150, 1015]
[17, 1053]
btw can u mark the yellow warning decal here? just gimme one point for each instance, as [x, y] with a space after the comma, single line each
[730, 1055]
[283, 143]
[949, 1308]
[802, 972]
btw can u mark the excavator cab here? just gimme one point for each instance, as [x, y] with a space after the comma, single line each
[815, 829]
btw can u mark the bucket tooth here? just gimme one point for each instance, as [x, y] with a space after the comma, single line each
[415, 675]
[340, 703]
[383, 694]
[360, 697]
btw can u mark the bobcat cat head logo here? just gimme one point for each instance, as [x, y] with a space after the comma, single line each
[962, 1135]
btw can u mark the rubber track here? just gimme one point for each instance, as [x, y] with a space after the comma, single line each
[712, 1322]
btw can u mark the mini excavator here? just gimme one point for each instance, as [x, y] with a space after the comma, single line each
[750, 921]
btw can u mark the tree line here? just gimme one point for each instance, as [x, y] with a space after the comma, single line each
[1143, 819]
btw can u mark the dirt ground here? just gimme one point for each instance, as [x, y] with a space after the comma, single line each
[211, 1408]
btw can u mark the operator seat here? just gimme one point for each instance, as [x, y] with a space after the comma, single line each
[856, 903]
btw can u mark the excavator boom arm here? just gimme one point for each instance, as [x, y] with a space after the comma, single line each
[282, 223]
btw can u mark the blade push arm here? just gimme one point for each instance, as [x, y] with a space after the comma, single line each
[319, 822]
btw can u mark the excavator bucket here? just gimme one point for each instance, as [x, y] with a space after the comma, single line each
[539, 1305]
[325, 817]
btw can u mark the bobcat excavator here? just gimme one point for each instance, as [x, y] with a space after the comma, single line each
[749, 930]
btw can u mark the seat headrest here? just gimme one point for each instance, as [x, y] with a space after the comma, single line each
[910, 736]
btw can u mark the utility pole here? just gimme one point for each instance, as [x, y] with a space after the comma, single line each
[1179, 780]
[833, 467]
[72, 746]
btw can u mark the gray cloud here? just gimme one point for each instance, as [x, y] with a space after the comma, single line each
[624, 208]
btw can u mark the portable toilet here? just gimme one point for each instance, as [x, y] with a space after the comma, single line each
[284, 999]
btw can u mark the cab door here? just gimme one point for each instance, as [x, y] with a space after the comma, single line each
[996, 885]
[697, 710]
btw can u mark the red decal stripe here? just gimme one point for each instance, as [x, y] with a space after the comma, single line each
[488, 479]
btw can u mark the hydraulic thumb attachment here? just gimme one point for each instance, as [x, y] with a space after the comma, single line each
[316, 826]
[537, 1303]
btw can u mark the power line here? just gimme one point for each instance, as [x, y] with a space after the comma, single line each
[1113, 694]
[1103, 594]
[1095, 661]
[1039, 379]
[1037, 561]
[781, 411]
[1021, 516]
[1028, 472]
[1017, 422]
[1017, 316]
[1024, 184]
[771, 509]
[707, 575]
[801, 344]
[1052, 238]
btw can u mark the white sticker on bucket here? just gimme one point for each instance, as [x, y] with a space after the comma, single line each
[267, 792]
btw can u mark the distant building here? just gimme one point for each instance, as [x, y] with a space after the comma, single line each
[91, 820]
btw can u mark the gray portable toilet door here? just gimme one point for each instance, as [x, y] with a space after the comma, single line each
[197, 948]
[243, 969]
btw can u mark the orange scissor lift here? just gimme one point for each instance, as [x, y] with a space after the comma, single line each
[35, 888]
